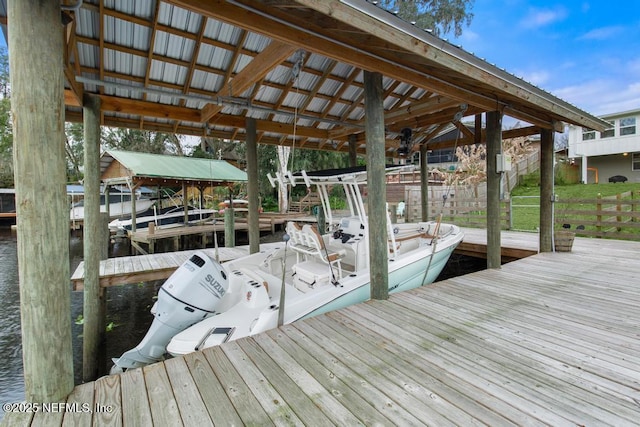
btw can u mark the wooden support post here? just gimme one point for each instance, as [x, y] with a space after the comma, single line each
[104, 236]
[229, 227]
[132, 189]
[424, 183]
[353, 150]
[37, 109]
[106, 200]
[494, 147]
[92, 327]
[185, 202]
[546, 190]
[151, 230]
[375, 135]
[477, 129]
[252, 187]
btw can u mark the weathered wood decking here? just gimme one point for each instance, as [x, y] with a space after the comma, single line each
[143, 268]
[552, 339]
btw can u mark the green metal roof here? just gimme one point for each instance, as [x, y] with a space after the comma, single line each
[145, 165]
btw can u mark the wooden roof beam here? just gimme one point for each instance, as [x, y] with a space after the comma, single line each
[466, 140]
[163, 111]
[262, 64]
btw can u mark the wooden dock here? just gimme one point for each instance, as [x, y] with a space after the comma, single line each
[151, 237]
[551, 339]
[145, 268]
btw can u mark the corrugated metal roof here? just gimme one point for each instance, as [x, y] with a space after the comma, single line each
[174, 167]
[201, 49]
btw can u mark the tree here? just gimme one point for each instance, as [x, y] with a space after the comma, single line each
[74, 147]
[438, 16]
[6, 130]
[142, 141]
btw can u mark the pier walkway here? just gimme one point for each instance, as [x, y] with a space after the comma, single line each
[551, 339]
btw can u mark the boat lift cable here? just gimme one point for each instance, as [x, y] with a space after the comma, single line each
[286, 238]
[434, 241]
[295, 71]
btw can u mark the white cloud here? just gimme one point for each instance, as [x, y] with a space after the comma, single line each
[538, 78]
[603, 33]
[602, 96]
[537, 18]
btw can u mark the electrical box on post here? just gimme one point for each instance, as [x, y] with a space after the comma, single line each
[503, 163]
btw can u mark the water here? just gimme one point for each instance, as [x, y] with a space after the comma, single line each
[127, 313]
[11, 380]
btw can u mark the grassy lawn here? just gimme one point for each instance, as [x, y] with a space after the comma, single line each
[525, 201]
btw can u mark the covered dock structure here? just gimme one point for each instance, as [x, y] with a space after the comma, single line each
[336, 75]
[135, 169]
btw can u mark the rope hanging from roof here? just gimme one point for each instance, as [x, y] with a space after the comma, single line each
[456, 119]
[298, 59]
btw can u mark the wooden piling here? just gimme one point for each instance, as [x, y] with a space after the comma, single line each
[252, 187]
[353, 150]
[92, 313]
[494, 147]
[229, 226]
[546, 190]
[376, 185]
[424, 183]
[37, 107]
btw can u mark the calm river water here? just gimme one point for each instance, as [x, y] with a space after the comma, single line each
[127, 307]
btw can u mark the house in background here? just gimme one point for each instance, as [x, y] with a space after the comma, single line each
[612, 153]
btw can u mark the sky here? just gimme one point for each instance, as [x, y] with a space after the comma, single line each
[586, 52]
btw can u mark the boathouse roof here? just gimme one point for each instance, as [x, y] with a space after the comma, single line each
[156, 169]
[295, 66]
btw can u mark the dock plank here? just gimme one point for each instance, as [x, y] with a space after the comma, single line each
[82, 398]
[213, 395]
[277, 407]
[414, 399]
[373, 406]
[144, 268]
[334, 384]
[107, 410]
[135, 403]
[164, 408]
[192, 408]
[330, 406]
[249, 408]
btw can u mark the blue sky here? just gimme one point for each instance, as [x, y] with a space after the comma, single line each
[586, 52]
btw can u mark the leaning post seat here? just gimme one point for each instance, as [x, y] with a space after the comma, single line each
[317, 260]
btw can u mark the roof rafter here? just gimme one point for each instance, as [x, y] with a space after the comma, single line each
[261, 65]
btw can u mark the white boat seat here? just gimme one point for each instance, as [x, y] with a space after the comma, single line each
[310, 275]
[310, 247]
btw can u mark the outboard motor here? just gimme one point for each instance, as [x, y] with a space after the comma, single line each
[192, 293]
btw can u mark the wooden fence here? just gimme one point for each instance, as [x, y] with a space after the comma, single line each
[615, 217]
[464, 211]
